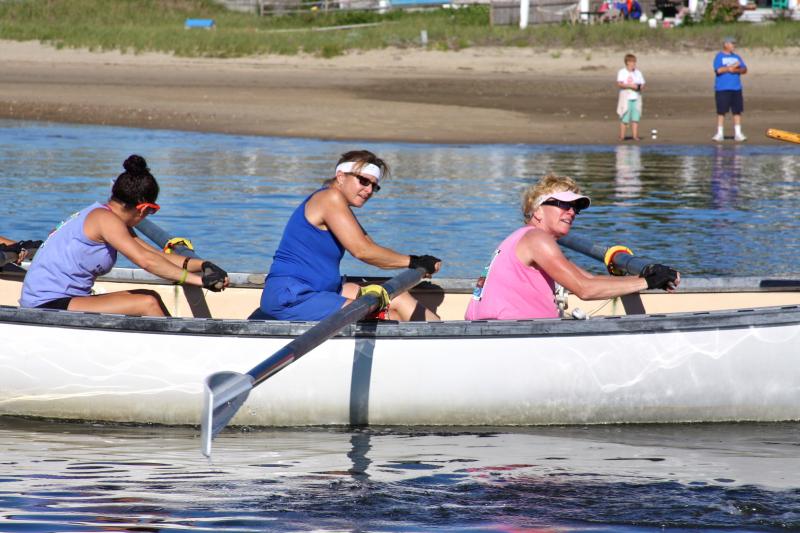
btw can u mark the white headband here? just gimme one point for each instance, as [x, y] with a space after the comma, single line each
[369, 168]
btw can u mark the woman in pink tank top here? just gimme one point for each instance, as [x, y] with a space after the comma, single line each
[519, 282]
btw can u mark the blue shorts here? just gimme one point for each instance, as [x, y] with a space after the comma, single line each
[729, 101]
[286, 298]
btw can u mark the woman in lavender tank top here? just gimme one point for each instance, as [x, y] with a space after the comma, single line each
[519, 282]
[85, 246]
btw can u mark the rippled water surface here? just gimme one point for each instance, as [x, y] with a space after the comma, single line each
[89, 477]
[724, 210]
[718, 210]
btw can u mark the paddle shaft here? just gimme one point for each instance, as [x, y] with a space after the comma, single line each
[194, 295]
[625, 262]
[782, 135]
[7, 257]
[330, 326]
[225, 392]
[161, 237]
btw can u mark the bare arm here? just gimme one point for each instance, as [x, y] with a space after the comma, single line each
[330, 208]
[194, 264]
[537, 248]
[103, 226]
[735, 69]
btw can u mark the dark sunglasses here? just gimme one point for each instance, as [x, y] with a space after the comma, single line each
[147, 208]
[561, 204]
[366, 182]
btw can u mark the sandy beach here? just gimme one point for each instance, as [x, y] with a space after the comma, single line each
[477, 95]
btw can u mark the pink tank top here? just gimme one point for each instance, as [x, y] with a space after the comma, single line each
[511, 290]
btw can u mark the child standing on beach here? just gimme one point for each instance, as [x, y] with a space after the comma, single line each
[629, 104]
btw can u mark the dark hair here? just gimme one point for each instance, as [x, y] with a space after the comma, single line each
[136, 185]
[364, 157]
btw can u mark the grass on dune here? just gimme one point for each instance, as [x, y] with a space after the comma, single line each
[157, 25]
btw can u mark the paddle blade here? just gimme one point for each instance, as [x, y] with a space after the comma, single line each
[223, 395]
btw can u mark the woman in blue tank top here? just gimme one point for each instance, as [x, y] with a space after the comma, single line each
[85, 246]
[304, 282]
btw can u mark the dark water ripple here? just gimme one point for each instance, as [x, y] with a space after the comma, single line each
[617, 478]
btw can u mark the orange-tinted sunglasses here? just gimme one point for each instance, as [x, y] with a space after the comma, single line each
[147, 208]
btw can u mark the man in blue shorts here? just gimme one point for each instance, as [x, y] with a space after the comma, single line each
[728, 69]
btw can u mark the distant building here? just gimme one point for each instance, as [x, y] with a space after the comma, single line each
[540, 10]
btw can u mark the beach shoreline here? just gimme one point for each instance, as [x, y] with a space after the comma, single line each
[476, 95]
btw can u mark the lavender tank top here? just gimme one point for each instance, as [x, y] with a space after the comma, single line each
[511, 290]
[67, 263]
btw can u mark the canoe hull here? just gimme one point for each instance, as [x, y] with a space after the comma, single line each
[700, 367]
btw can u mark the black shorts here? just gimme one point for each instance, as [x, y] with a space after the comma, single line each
[729, 101]
[61, 304]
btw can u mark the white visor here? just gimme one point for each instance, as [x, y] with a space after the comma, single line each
[370, 169]
[565, 196]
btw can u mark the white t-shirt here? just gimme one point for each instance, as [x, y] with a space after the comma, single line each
[627, 76]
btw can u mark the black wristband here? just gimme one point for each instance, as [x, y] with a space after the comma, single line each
[186, 263]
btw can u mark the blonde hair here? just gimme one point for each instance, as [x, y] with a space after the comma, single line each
[548, 184]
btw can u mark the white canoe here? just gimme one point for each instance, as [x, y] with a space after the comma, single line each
[721, 350]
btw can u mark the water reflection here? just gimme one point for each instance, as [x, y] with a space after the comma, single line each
[359, 447]
[629, 168]
[232, 195]
[726, 175]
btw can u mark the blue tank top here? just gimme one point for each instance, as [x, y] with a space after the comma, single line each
[67, 264]
[308, 253]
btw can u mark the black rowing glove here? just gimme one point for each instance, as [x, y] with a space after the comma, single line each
[428, 262]
[17, 247]
[213, 277]
[29, 245]
[659, 276]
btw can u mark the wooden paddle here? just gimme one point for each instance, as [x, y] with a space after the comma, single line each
[225, 392]
[781, 135]
[194, 295]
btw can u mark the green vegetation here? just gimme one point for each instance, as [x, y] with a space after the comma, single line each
[157, 25]
[723, 11]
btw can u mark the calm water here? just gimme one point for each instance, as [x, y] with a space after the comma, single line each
[707, 210]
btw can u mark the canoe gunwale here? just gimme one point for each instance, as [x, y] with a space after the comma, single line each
[606, 325]
[787, 283]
